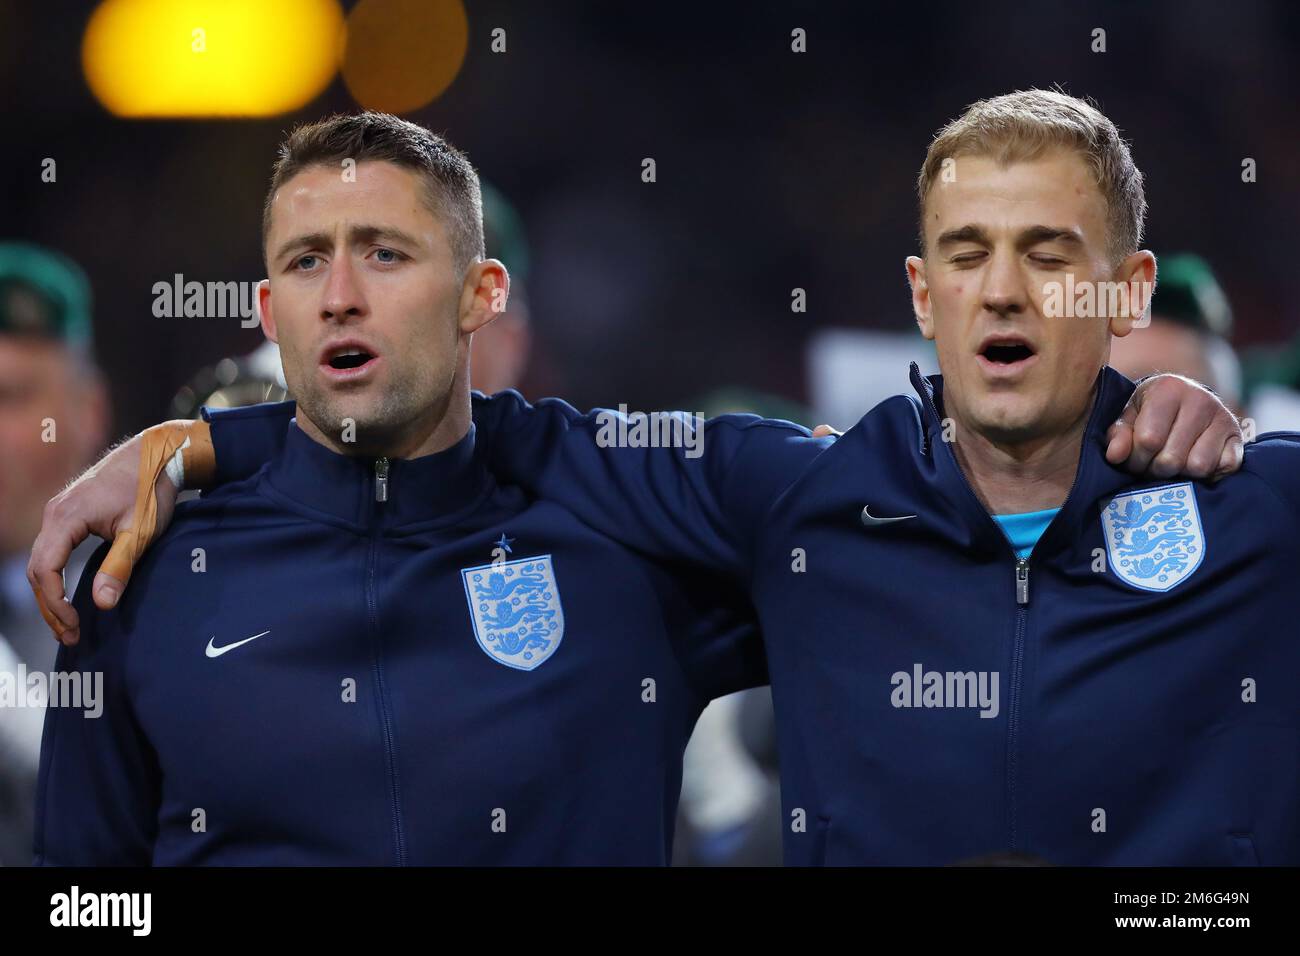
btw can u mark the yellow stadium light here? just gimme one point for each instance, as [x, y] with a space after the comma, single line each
[156, 58]
[403, 54]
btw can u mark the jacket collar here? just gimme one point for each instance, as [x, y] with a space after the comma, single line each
[1095, 478]
[431, 487]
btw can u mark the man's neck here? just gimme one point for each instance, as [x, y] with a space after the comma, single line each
[439, 429]
[1018, 477]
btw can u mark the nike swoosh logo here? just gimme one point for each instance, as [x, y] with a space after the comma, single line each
[871, 520]
[214, 651]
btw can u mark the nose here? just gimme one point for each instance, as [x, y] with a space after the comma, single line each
[1004, 289]
[342, 297]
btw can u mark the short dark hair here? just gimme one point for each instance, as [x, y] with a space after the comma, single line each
[453, 191]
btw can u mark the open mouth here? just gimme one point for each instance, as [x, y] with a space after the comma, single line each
[350, 358]
[1007, 353]
[347, 360]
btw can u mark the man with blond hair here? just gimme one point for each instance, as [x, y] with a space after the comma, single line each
[983, 637]
[933, 703]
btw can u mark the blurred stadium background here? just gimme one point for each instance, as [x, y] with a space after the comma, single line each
[775, 171]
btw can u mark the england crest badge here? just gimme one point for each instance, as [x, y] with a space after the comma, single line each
[1154, 536]
[515, 608]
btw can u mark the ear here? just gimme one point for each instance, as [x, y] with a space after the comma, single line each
[1137, 273]
[920, 296]
[484, 295]
[264, 310]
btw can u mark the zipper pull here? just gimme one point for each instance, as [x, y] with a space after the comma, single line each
[1022, 581]
[381, 479]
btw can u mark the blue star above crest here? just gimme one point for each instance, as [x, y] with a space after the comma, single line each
[504, 543]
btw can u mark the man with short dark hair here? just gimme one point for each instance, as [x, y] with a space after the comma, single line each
[370, 652]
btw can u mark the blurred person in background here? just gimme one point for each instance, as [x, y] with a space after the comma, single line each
[54, 415]
[1191, 323]
[1273, 387]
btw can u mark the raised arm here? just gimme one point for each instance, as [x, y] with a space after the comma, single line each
[700, 506]
[699, 496]
[127, 497]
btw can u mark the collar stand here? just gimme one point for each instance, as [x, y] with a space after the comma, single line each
[347, 486]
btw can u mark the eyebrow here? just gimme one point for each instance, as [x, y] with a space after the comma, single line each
[357, 235]
[974, 234]
[1033, 236]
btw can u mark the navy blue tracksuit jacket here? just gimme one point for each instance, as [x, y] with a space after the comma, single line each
[1127, 695]
[303, 674]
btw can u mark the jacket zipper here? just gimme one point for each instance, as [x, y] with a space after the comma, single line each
[385, 713]
[1014, 685]
[1013, 711]
[1022, 614]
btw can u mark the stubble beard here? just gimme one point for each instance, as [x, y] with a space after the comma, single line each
[371, 425]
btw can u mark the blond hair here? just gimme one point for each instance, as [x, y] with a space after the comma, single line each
[1025, 124]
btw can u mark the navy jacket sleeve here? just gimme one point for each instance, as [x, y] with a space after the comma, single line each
[701, 504]
[702, 501]
[99, 786]
[245, 438]
[1275, 458]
